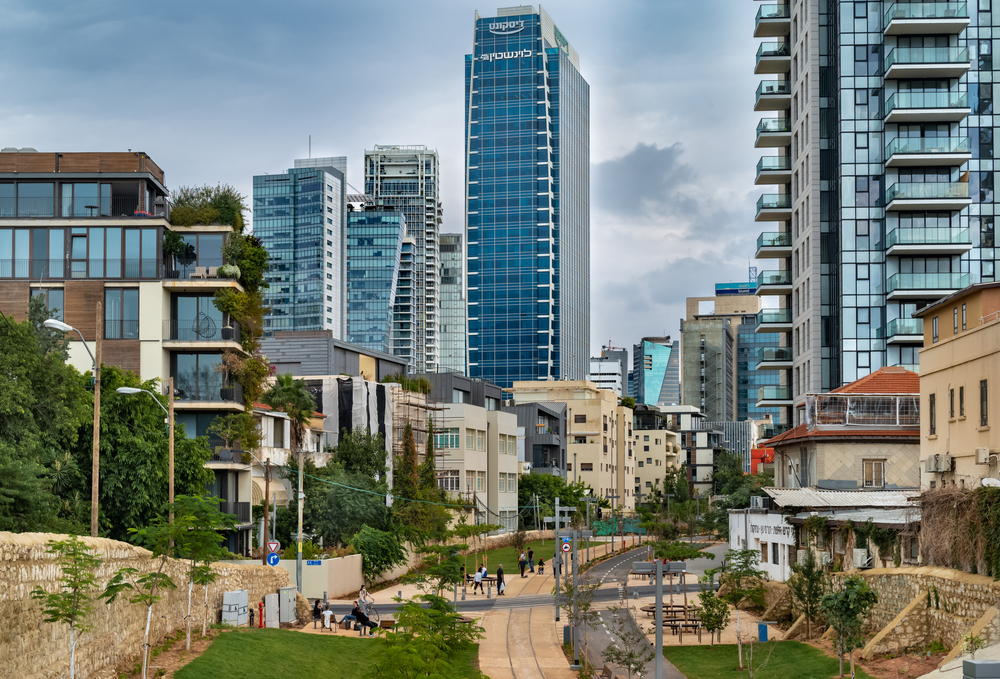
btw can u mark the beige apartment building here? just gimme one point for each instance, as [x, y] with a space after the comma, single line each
[599, 432]
[657, 448]
[959, 362]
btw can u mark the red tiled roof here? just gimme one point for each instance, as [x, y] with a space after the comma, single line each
[803, 432]
[893, 380]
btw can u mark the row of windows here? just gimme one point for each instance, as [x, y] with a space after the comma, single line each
[984, 416]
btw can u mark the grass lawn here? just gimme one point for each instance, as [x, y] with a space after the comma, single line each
[508, 557]
[267, 653]
[790, 659]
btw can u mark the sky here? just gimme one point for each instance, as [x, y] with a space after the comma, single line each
[219, 91]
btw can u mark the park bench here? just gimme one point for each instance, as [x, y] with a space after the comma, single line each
[606, 673]
[386, 623]
[641, 571]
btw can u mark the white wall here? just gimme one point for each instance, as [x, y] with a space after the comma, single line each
[768, 528]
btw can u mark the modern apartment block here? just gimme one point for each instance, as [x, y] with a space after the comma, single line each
[657, 449]
[406, 178]
[541, 435]
[528, 200]
[404, 340]
[881, 157]
[656, 371]
[300, 217]
[454, 336]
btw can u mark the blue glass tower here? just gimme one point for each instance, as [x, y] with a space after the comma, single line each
[528, 201]
[374, 247]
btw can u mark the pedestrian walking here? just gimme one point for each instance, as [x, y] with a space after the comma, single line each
[531, 560]
[522, 564]
[501, 585]
[477, 580]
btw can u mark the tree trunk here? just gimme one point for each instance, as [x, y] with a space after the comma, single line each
[188, 618]
[204, 619]
[72, 653]
[145, 646]
[851, 652]
[739, 638]
[840, 653]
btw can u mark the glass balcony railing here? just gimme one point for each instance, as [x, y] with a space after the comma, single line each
[773, 49]
[772, 354]
[904, 326]
[774, 278]
[774, 164]
[774, 240]
[926, 10]
[927, 281]
[902, 145]
[926, 191]
[774, 316]
[774, 393]
[911, 100]
[929, 235]
[927, 55]
[774, 201]
[773, 12]
[774, 125]
[774, 87]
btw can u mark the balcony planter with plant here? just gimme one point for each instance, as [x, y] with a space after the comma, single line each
[229, 271]
[228, 393]
[181, 253]
[228, 332]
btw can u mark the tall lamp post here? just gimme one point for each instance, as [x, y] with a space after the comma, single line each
[56, 324]
[170, 420]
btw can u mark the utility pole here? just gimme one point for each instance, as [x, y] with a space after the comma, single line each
[555, 561]
[614, 520]
[302, 496]
[576, 630]
[170, 417]
[658, 650]
[588, 500]
[95, 469]
[267, 496]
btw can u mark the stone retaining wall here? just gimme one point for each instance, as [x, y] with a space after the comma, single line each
[31, 648]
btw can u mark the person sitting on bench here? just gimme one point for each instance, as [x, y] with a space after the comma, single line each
[362, 619]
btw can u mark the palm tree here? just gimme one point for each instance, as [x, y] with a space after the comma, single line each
[292, 397]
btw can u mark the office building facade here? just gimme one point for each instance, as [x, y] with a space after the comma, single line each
[881, 141]
[527, 200]
[404, 342]
[709, 367]
[300, 217]
[656, 371]
[406, 178]
[454, 322]
[374, 249]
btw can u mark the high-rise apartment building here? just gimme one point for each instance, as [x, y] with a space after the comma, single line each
[656, 371]
[610, 370]
[454, 324]
[404, 343]
[528, 200]
[300, 217]
[406, 178]
[882, 145]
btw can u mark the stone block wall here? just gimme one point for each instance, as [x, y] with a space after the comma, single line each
[31, 648]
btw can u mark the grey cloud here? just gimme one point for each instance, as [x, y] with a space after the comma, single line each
[644, 179]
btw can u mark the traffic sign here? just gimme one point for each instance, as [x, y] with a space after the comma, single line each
[273, 545]
[566, 539]
[566, 547]
[272, 559]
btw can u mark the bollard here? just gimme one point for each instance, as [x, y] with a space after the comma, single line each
[261, 607]
[489, 591]
[463, 592]
[454, 598]
[324, 596]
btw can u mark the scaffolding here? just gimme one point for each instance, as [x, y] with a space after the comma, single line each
[884, 411]
[408, 407]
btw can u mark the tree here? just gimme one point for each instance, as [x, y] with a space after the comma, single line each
[744, 583]
[336, 511]
[806, 586]
[546, 488]
[578, 604]
[440, 569]
[380, 551]
[714, 613]
[47, 340]
[632, 652]
[428, 470]
[233, 428]
[73, 603]
[845, 609]
[681, 494]
[362, 452]
[405, 473]
[627, 401]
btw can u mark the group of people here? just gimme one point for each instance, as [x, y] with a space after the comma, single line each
[528, 561]
[481, 573]
[357, 615]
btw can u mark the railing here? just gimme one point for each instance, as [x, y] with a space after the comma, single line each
[241, 510]
[927, 191]
[774, 393]
[772, 354]
[202, 329]
[927, 145]
[774, 278]
[926, 10]
[206, 269]
[773, 49]
[904, 326]
[774, 87]
[210, 390]
[770, 239]
[927, 281]
[911, 100]
[774, 125]
[769, 163]
[772, 12]
[927, 235]
[774, 316]
[927, 55]
[774, 201]
[26, 208]
[228, 455]
[119, 329]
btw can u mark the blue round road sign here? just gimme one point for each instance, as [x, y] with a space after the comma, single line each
[272, 559]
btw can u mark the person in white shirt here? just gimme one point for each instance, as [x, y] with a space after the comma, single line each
[477, 580]
[327, 617]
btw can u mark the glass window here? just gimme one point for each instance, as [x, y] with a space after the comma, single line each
[39, 254]
[934, 329]
[97, 253]
[132, 254]
[53, 300]
[113, 261]
[197, 377]
[874, 473]
[984, 419]
[21, 253]
[470, 439]
[56, 252]
[932, 414]
[579, 419]
[961, 401]
[963, 317]
[35, 200]
[121, 313]
[85, 200]
[6, 253]
[8, 201]
[951, 403]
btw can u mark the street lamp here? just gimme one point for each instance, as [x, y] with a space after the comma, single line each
[56, 324]
[127, 391]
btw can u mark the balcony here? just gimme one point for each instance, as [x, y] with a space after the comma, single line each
[925, 285]
[774, 358]
[774, 283]
[773, 133]
[928, 240]
[773, 57]
[925, 151]
[211, 392]
[774, 320]
[774, 207]
[773, 170]
[773, 21]
[904, 331]
[201, 329]
[774, 245]
[926, 62]
[81, 268]
[926, 18]
[773, 95]
[774, 395]
[933, 196]
[926, 107]
[105, 207]
[241, 510]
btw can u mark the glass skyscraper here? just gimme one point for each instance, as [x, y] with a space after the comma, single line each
[374, 248]
[656, 371]
[300, 218]
[454, 324]
[528, 201]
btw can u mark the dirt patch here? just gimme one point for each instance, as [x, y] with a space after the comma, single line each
[902, 666]
[169, 656]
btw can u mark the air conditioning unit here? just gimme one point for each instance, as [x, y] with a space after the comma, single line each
[825, 559]
[932, 463]
[861, 558]
[982, 455]
[802, 556]
[946, 464]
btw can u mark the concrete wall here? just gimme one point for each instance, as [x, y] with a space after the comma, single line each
[30, 647]
[340, 578]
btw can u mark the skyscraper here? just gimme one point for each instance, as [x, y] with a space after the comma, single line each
[882, 141]
[656, 371]
[528, 200]
[300, 217]
[405, 178]
[454, 328]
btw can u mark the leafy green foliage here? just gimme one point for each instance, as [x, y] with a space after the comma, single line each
[714, 613]
[737, 487]
[549, 487]
[380, 551]
[405, 470]
[807, 586]
[845, 610]
[292, 397]
[744, 582]
[631, 649]
[221, 204]
[235, 428]
[627, 401]
[362, 452]
[428, 471]
[420, 385]
[681, 487]
[681, 551]
[48, 340]
[441, 568]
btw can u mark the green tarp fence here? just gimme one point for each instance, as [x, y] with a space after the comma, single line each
[631, 526]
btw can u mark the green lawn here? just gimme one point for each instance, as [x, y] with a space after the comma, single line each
[508, 557]
[284, 654]
[790, 659]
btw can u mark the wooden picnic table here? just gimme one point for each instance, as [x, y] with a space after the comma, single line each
[676, 625]
[667, 608]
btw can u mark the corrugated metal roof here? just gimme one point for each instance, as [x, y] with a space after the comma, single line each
[896, 518]
[823, 499]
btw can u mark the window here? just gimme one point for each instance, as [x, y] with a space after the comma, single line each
[579, 439]
[913, 549]
[645, 438]
[121, 313]
[480, 440]
[586, 466]
[640, 463]
[645, 449]
[963, 317]
[447, 438]
[458, 396]
[53, 299]
[951, 403]
[934, 329]
[932, 414]
[763, 552]
[470, 439]
[480, 481]
[984, 419]
[278, 432]
[197, 377]
[954, 321]
[874, 473]
[449, 480]
[579, 419]
[838, 542]
[961, 401]
[774, 552]
[649, 460]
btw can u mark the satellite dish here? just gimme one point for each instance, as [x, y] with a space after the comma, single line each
[991, 482]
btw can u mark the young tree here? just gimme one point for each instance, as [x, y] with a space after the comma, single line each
[441, 568]
[714, 612]
[428, 470]
[578, 604]
[405, 472]
[633, 650]
[233, 428]
[806, 586]
[380, 552]
[845, 609]
[744, 583]
[362, 452]
[73, 602]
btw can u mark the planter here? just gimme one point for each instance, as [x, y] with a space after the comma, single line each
[228, 394]
[228, 333]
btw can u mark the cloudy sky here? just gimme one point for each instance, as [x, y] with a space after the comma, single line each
[219, 91]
